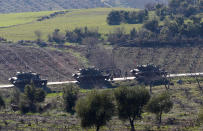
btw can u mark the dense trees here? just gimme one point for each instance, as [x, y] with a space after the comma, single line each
[78, 34]
[182, 26]
[159, 104]
[130, 17]
[185, 7]
[130, 102]
[95, 110]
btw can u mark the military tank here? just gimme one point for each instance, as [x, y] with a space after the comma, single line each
[24, 78]
[92, 78]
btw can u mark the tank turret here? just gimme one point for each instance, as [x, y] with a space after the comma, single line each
[91, 78]
[24, 78]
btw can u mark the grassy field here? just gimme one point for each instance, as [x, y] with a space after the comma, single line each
[13, 19]
[187, 100]
[24, 30]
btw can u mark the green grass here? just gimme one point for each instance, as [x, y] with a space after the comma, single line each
[13, 19]
[92, 18]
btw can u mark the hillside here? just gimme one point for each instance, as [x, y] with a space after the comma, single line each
[21, 26]
[56, 64]
[8, 6]
[52, 64]
[133, 3]
[174, 60]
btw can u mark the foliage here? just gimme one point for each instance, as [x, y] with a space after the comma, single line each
[201, 115]
[70, 95]
[130, 102]
[96, 109]
[130, 17]
[114, 18]
[92, 18]
[30, 98]
[159, 104]
[78, 34]
[56, 37]
[152, 25]
[2, 103]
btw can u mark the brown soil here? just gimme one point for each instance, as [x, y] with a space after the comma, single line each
[51, 64]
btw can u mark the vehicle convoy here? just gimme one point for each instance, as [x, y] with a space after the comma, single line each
[24, 78]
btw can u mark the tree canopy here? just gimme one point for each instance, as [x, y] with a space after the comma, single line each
[130, 102]
[96, 109]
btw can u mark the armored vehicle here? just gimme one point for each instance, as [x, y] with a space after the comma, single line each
[22, 79]
[92, 78]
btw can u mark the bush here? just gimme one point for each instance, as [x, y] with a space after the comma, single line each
[70, 96]
[2, 103]
[30, 98]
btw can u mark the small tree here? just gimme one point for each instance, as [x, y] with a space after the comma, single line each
[114, 18]
[96, 109]
[2, 103]
[70, 96]
[30, 98]
[160, 104]
[130, 102]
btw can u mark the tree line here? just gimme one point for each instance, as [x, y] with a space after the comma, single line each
[130, 17]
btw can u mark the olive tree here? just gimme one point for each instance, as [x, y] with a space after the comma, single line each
[130, 102]
[160, 104]
[70, 95]
[95, 110]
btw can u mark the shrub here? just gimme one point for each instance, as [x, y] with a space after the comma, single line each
[30, 98]
[70, 96]
[2, 103]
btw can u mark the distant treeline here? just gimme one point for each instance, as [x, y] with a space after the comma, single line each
[130, 17]
[171, 33]
[52, 15]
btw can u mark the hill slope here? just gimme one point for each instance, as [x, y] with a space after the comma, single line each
[51, 64]
[8, 6]
[43, 5]
[21, 26]
[133, 3]
[58, 65]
